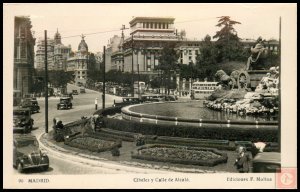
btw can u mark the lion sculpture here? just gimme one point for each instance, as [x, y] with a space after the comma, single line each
[227, 82]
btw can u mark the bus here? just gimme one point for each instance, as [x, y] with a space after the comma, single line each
[140, 84]
[202, 90]
[17, 96]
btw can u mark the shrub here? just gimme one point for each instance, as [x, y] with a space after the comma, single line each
[115, 152]
[222, 133]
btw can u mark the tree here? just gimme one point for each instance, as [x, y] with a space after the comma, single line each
[208, 53]
[228, 44]
[60, 78]
[168, 63]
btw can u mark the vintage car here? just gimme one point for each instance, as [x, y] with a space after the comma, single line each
[266, 162]
[74, 92]
[82, 90]
[27, 154]
[127, 101]
[31, 103]
[22, 120]
[64, 103]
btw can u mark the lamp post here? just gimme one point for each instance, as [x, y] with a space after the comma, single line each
[132, 73]
[136, 50]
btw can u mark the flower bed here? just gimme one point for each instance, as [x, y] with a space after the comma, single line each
[181, 155]
[92, 144]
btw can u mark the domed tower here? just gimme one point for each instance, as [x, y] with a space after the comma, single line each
[83, 47]
[57, 38]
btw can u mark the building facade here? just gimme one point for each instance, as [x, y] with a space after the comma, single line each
[57, 54]
[142, 49]
[23, 55]
[79, 63]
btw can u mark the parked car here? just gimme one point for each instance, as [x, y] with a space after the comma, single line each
[22, 120]
[266, 162]
[64, 103]
[31, 103]
[74, 92]
[127, 101]
[82, 90]
[27, 154]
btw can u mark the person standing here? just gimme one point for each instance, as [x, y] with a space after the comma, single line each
[96, 103]
[243, 161]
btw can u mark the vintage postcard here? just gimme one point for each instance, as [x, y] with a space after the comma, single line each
[149, 96]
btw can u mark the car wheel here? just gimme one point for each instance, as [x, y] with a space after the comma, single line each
[20, 167]
[45, 168]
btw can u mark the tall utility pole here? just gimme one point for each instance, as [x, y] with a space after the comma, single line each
[103, 88]
[279, 90]
[132, 73]
[46, 85]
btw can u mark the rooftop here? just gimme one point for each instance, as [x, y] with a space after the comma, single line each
[135, 19]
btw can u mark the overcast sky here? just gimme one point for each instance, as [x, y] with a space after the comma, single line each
[196, 19]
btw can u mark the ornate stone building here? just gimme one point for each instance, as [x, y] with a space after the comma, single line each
[23, 55]
[79, 63]
[149, 35]
[57, 54]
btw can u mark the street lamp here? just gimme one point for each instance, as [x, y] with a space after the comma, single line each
[138, 68]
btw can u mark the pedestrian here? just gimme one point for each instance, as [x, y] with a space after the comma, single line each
[96, 103]
[243, 160]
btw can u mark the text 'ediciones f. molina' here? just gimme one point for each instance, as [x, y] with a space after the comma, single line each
[161, 179]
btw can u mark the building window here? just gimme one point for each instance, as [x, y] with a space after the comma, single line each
[156, 62]
[196, 52]
[155, 25]
[163, 25]
[190, 58]
[151, 25]
[159, 25]
[147, 25]
[190, 52]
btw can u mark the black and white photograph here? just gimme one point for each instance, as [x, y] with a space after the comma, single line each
[149, 96]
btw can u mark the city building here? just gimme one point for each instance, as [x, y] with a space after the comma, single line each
[79, 63]
[40, 54]
[272, 44]
[99, 59]
[57, 54]
[24, 42]
[114, 54]
[142, 49]
[188, 51]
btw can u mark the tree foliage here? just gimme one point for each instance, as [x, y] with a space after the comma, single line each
[228, 43]
[168, 63]
[208, 53]
[60, 78]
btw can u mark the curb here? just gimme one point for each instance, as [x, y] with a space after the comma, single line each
[109, 166]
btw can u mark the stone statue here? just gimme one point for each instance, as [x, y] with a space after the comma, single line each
[226, 81]
[258, 52]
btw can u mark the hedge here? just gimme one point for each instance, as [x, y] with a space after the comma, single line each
[210, 162]
[225, 133]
